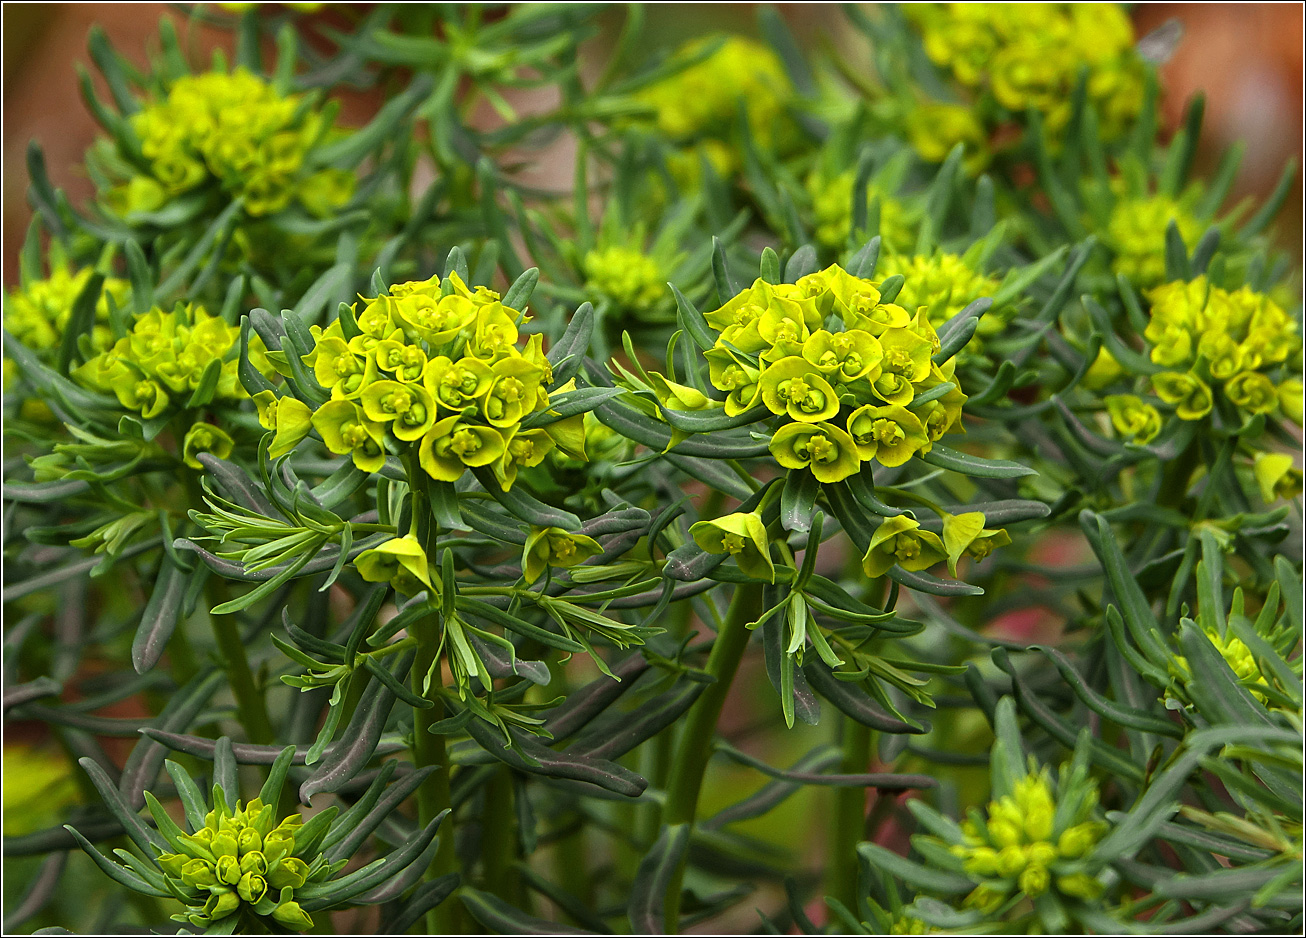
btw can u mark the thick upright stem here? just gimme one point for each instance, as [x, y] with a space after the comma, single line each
[433, 795]
[250, 705]
[428, 748]
[499, 837]
[849, 815]
[700, 727]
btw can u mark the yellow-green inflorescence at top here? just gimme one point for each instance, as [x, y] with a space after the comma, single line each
[839, 365]
[436, 369]
[1029, 55]
[699, 105]
[632, 280]
[38, 314]
[1135, 231]
[241, 862]
[163, 358]
[944, 285]
[832, 211]
[1240, 341]
[1020, 846]
[236, 129]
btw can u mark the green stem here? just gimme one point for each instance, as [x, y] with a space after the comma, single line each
[498, 836]
[433, 795]
[700, 727]
[250, 705]
[849, 815]
[428, 748]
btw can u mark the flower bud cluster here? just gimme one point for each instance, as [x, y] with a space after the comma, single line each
[1030, 55]
[1022, 846]
[242, 861]
[38, 314]
[841, 366]
[434, 366]
[1237, 655]
[1241, 341]
[237, 130]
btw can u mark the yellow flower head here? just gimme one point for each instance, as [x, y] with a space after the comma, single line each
[408, 408]
[934, 129]
[844, 356]
[794, 386]
[1133, 417]
[632, 280]
[742, 535]
[456, 385]
[347, 431]
[453, 444]
[1189, 393]
[966, 534]
[205, 438]
[827, 450]
[39, 313]
[401, 558]
[900, 541]
[1276, 477]
[1136, 232]
[523, 449]
[891, 434]
[238, 131]
[555, 547]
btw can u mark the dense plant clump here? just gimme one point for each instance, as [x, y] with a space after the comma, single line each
[860, 493]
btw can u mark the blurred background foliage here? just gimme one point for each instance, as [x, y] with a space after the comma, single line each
[1254, 98]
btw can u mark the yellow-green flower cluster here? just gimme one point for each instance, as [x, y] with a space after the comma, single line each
[38, 314]
[832, 213]
[1240, 340]
[1022, 846]
[163, 358]
[943, 284]
[241, 862]
[238, 130]
[934, 129]
[703, 99]
[632, 280]
[434, 367]
[841, 366]
[1029, 55]
[1136, 233]
[702, 102]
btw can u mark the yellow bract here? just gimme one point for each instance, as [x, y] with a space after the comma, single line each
[742, 535]
[900, 541]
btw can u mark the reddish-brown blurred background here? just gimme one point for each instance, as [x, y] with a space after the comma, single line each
[1246, 57]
